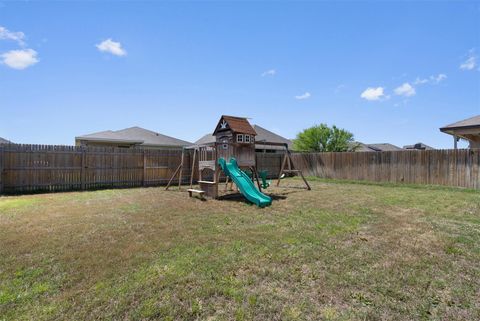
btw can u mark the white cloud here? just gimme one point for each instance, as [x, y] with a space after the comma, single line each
[19, 59]
[433, 79]
[18, 36]
[405, 90]
[438, 78]
[420, 81]
[110, 46]
[469, 64]
[471, 61]
[271, 72]
[303, 96]
[372, 93]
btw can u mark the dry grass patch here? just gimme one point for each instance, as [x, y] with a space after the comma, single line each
[342, 251]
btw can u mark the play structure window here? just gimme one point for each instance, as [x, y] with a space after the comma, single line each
[240, 138]
[247, 138]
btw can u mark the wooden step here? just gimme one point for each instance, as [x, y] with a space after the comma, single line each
[192, 191]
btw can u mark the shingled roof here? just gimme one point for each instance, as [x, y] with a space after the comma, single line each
[135, 135]
[206, 140]
[379, 147]
[471, 122]
[419, 146]
[383, 147]
[266, 136]
[236, 124]
[4, 141]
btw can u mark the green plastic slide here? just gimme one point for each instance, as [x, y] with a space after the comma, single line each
[244, 183]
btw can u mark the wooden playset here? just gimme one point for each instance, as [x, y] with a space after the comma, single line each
[233, 154]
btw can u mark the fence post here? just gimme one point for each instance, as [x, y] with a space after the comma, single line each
[144, 167]
[82, 172]
[2, 168]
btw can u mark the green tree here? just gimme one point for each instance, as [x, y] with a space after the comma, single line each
[321, 138]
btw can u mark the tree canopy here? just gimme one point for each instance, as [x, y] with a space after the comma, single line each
[321, 138]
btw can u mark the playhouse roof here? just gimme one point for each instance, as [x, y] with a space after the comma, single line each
[236, 124]
[264, 139]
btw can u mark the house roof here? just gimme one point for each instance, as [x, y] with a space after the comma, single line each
[206, 139]
[135, 135]
[471, 122]
[420, 146]
[383, 147]
[266, 136]
[4, 141]
[236, 124]
[359, 147]
[380, 147]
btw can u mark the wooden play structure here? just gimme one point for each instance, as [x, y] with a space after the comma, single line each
[232, 154]
[287, 168]
[234, 137]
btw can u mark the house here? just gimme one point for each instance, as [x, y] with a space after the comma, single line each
[265, 141]
[380, 147]
[269, 142]
[131, 137]
[468, 129]
[207, 139]
[4, 141]
[418, 146]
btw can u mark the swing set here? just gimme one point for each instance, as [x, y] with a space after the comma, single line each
[287, 166]
[233, 154]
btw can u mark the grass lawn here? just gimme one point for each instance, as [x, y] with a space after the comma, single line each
[343, 251]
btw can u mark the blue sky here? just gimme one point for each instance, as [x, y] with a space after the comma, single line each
[388, 72]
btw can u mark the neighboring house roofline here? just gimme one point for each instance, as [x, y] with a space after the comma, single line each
[446, 129]
[134, 135]
[267, 137]
[418, 146]
[378, 147]
[5, 141]
[106, 140]
[469, 123]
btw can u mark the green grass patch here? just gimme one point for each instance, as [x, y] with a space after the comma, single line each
[15, 204]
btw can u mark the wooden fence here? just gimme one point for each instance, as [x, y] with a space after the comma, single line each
[269, 162]
[43, 168]
[459, 167]
[46, 168]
